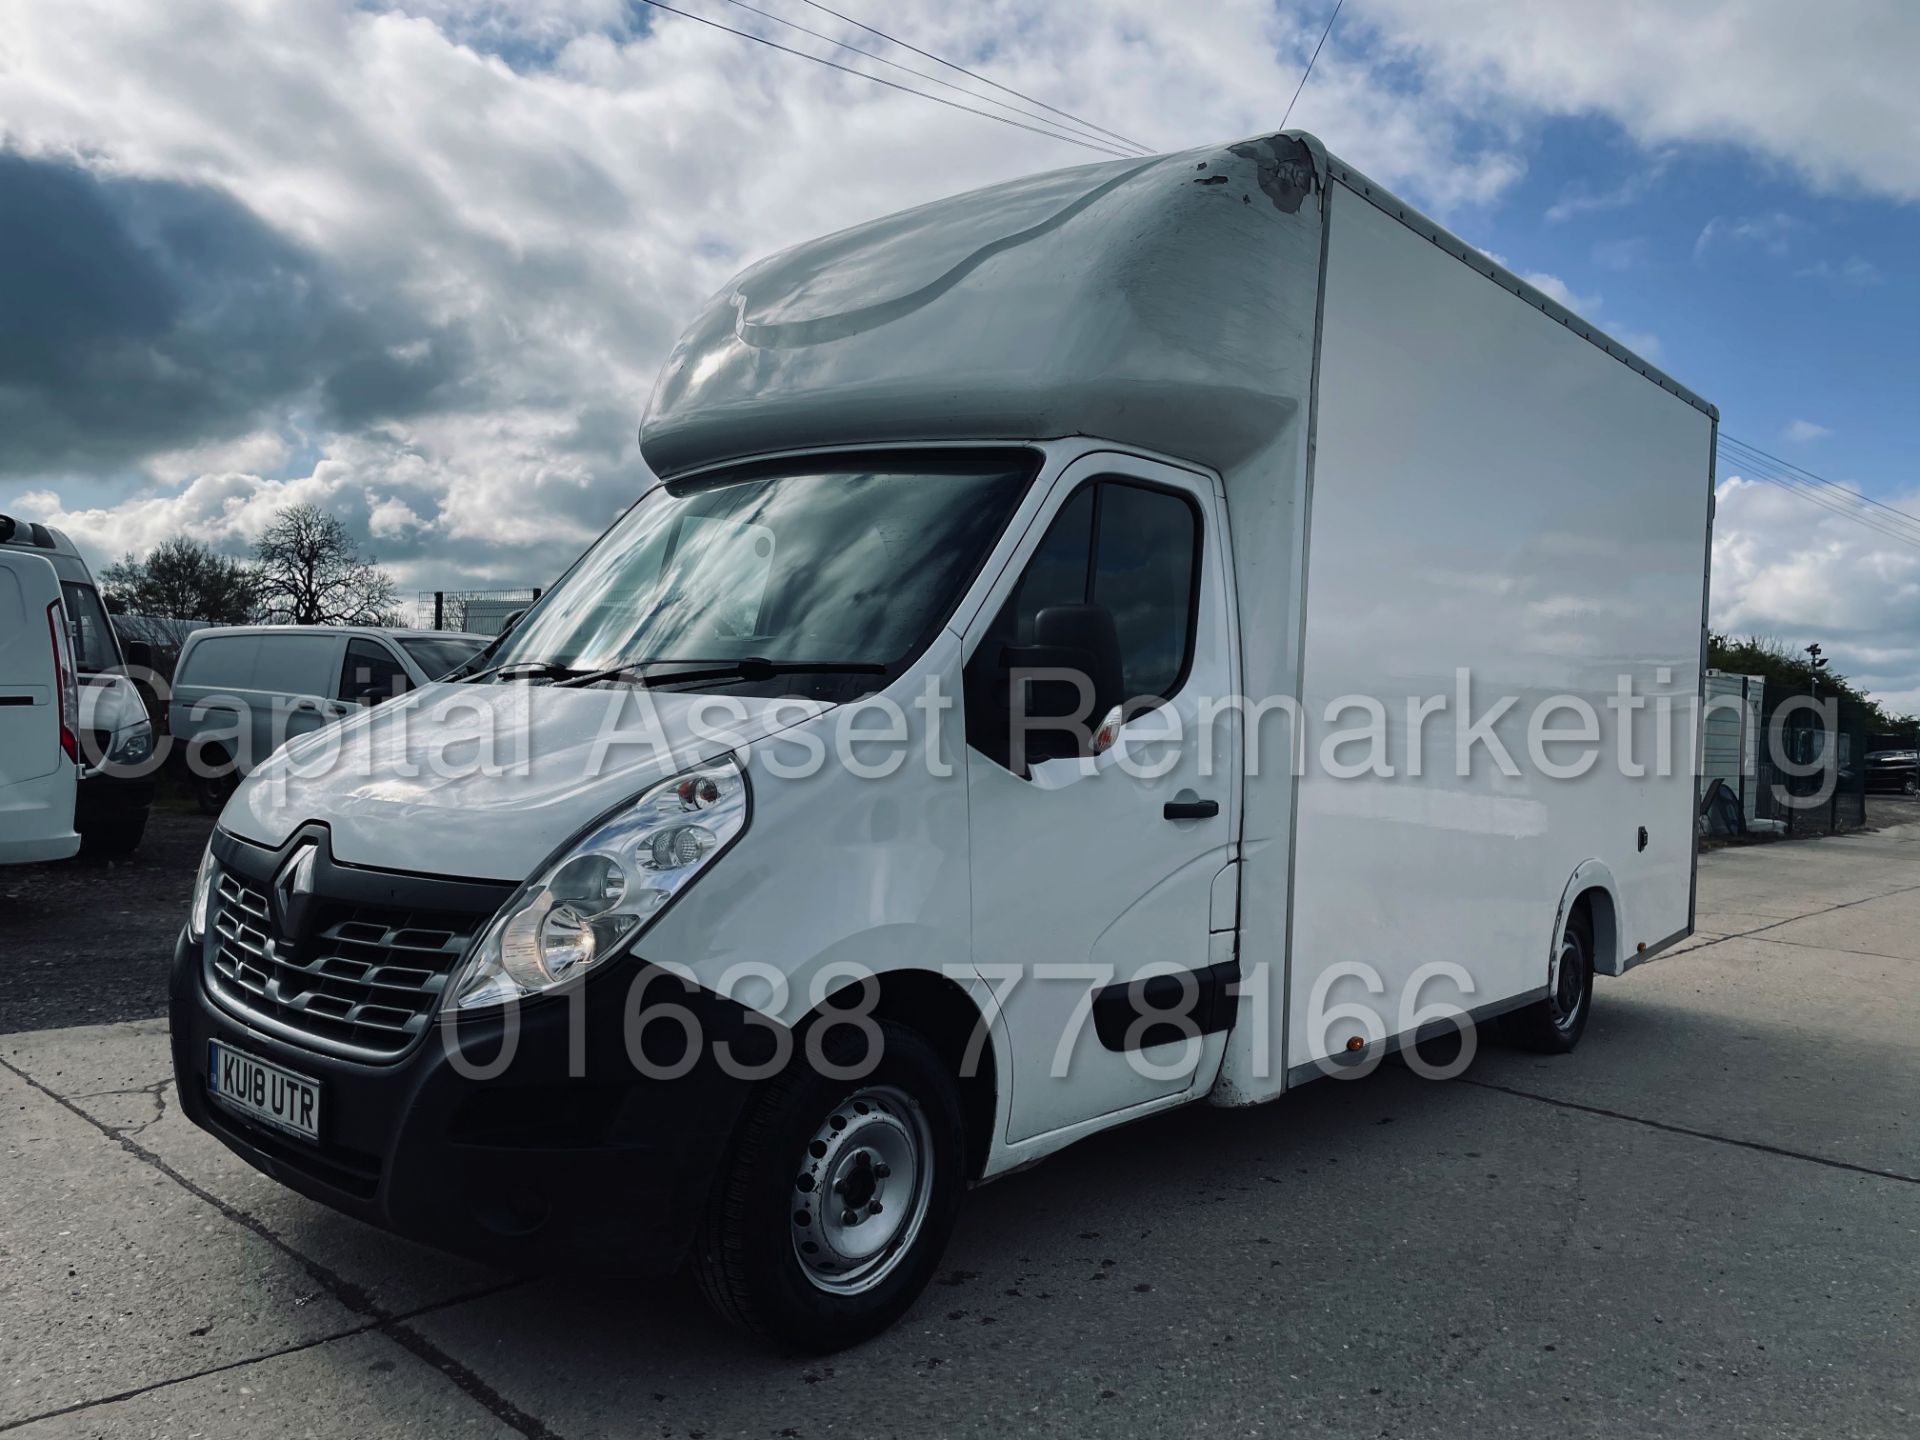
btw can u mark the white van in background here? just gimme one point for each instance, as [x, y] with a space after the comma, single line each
[115, 735]
[240, 692]
[39, 712]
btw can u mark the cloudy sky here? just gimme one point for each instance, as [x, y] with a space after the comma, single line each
[420, 262]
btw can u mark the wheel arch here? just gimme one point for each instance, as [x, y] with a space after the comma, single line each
[1592, 886]
[946, 1015]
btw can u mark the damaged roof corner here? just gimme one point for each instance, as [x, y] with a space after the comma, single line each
[1284, 167]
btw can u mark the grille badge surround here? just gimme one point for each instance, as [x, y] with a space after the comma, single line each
[293, 896]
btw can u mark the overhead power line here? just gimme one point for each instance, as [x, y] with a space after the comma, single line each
[1788, 465]
[1755, 464]
[890, 84]
[1848, 504]
[1814, 496]
[1003, 89]
[931, 79]
[1304, 74]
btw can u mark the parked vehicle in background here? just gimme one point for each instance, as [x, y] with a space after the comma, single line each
[1042, 452]
[1894, 771]
[115, 734]
[1730, 743]
[39, 714]
[240, 692]
[163, 638]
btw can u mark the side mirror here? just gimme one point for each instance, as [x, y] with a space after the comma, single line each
[138, 654]
[506, 625]
[1062, 687]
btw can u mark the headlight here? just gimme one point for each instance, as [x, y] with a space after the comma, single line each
[202, 896]
[594, 897]
[133, 745]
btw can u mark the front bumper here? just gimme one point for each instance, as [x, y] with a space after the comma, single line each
[569, 1157]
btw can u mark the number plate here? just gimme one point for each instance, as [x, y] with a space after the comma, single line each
[264, 1092]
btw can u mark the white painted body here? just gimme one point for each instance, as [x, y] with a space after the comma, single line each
[1420, 464]
[38, 779]
[110, 703]
[1491, 492]
[1075, 868]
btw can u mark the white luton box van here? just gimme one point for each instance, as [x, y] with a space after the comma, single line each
[39, 714]
[1160, 631]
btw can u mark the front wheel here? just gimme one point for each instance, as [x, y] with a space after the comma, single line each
[214, 783]
[1554, 1025]
[837, 1197]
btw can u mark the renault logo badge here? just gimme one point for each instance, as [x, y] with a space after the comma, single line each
[293, 892]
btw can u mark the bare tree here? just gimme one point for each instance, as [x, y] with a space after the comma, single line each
[310, 572]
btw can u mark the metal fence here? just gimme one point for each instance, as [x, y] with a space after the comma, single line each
[479, 612]
[1811, 774]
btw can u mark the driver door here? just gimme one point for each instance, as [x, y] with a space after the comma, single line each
[1094, 873]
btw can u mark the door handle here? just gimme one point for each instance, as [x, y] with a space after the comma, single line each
[1190, 809]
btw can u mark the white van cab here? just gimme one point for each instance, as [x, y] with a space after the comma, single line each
[114, 736]
[39, 714]
[1000, 724]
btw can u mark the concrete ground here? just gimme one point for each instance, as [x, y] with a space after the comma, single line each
[1706, 1221]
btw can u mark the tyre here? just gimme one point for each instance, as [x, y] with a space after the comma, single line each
[1910, 785]
[1554, 1025]
[836, 1198]
[213, 788]
[114, 839]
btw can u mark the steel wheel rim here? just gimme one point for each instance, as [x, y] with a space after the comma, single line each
[862, 1190]
[1566, 993]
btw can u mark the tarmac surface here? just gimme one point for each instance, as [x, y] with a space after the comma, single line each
[1705, 1221]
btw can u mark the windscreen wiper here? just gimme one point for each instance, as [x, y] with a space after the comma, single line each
[528, 670]
[744, 667]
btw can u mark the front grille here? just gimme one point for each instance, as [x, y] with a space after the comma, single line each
[364, 982]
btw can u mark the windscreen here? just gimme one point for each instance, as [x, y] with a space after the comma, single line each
[843, 563]
[438, 656]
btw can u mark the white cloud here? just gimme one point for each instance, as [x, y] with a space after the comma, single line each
[1783, 566]
[1554, 288]
[1825, 94]
[257, 450]
[544, 192]
[1771, 233]
[1853, 273]
[1804, 430]
[521, 205]
[392, 519]
[1643, 342]
[1581, 199]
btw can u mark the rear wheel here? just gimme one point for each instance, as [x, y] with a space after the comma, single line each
[837, 1197]
[1554, 1025]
